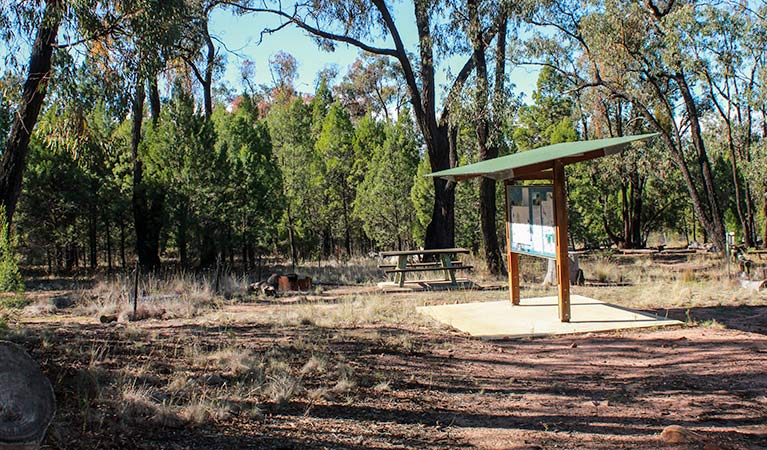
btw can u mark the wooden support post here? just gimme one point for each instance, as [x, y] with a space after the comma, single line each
[399, 277]
[560, 213]
[512, 258]
[447, 263]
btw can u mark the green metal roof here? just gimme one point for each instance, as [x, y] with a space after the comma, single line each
[535, 161]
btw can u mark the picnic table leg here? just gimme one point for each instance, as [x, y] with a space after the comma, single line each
[399, 277]
[447, 263]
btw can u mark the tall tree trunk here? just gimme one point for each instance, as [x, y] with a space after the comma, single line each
[637, 191]
[244, 250]
[181, 236]
[208, 250]
[713, 224]
[440, 233]
[155, 105]
[122, 242]
[107, 227]
[92, 238]
[210, 63]
[499, 93]
[420, 79]
[347, 226]
[764, 211]
[230, 247]
[33, 95]
[487, 206]
[739, 200]
[291, 238]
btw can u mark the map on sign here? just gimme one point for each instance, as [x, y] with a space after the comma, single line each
[532, 228]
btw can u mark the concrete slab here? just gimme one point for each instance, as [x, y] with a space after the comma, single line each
[428, 285]
[539, 317]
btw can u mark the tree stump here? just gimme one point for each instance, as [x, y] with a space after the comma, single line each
[27, 403]
[576, 274]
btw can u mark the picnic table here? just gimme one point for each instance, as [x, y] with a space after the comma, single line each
[444, 263]
[760, 253]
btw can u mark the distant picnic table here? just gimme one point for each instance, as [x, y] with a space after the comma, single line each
[444, 263]
[760, 252]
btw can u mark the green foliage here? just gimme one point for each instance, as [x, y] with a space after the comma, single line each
[330, 169]
[290, 128]
[255, 182]
[422, 197]
[335, 150]
[549, 119]
[220, 176]
[10, 276]
[56, 194]
[383, 201]
[13, 302]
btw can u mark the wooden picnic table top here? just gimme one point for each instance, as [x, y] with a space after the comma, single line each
[435, 251]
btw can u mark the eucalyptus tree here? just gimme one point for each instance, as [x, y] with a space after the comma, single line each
[363, 24]
[44, 21]
[199, 51]
[373, 85]
[84, 25]
[140, 50]
[488, 112]
[631, 49]
[726, 50]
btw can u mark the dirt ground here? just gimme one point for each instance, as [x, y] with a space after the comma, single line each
[410, 385]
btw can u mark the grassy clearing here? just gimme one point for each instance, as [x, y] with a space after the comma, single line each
[145, 377]
[351, 311]
[289, 359]
[178, 296]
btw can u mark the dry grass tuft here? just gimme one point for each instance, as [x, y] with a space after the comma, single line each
[315, 365]
[177, 296]
[355, 310]
[282, 387]
[233, 360]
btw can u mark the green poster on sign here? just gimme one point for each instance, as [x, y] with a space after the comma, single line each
[532, 228]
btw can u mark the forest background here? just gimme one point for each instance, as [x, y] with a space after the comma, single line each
[122, 139]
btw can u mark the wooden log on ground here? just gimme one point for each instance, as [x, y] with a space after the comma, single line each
[27, 403]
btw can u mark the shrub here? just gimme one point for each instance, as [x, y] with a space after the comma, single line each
[10, 276]
[13, 301]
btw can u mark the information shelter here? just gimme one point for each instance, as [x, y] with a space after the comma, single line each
[536, 215]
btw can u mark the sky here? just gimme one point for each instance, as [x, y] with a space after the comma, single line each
[241, 36]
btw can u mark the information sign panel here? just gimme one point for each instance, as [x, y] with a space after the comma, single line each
[532, 228]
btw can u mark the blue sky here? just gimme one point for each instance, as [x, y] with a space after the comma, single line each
[241, 35]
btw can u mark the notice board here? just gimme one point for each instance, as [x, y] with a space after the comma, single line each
[532, 228]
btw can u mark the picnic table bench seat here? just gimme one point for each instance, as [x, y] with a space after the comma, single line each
[428, 269]
[421, 264]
